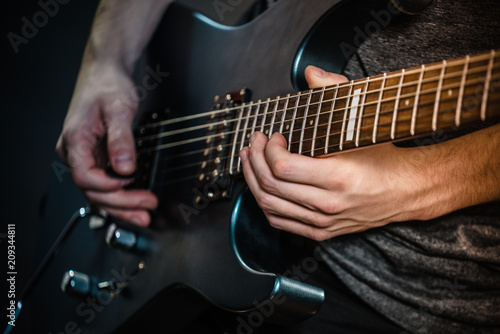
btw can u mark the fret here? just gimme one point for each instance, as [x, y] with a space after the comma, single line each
[332, 108]
[245, 127]
[415, 104]
[293, 121]
[487, 86]
[377, 112]
[263, 123]
[306, 111]
[396, 105]
[458, 112]
[315, 131]
[341, 145]
[273, 119]
[235, 140]
[373, 110]
[362, 106]
[285, 107]
[254, 124]
[438, 97]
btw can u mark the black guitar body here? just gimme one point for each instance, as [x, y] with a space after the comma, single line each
[208, 233]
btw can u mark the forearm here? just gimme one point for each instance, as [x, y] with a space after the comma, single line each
[458, 173]
[121, 29]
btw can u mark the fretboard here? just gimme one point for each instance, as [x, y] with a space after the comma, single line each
[389, 107]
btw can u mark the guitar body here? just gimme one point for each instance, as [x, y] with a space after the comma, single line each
[208, 233]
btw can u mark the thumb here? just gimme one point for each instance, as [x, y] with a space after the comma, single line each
[317, 77]
[120, 141]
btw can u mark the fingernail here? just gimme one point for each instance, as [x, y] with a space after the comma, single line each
[319, 72]
[126, 182]
[252, 138]
[243, 155]
[124, 162]
[136, 221]
[148, 205]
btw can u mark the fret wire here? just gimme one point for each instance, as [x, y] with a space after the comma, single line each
[415, 103]
[306, 112]
[377, 112]
[175, 144]
[396, 105]
[199, 151]
[456, 62]
[345, 116]
[332, 108]
[365, 127]
[265, 115]
[361, 112]
[255, 117]
[487, 86]
[293, 120]
[173, 132]
[233, 149]
[245, 127]
[187, 141]
[284, 113]
[438, 97]
[313, 144]
[458, 112]
[274, 117]
[183, 142]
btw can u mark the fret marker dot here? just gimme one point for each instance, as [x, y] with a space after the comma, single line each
[450, 92]
[266, 132]
[311, 122]
[407, 102]
[287, 127]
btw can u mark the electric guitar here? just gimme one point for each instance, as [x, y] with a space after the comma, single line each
[208, 234]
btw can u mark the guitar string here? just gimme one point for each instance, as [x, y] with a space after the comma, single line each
[409, 72]
[331, 147]
[244, 108]
[143, 149]
[226, 169]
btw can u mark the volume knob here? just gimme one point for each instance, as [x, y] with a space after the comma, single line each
[76, 284]
[120, 238]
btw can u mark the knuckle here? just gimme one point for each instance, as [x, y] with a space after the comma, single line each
[79, 180]
[268, 183]
[328, 207]
[281, 168]
[265, 202]
[320, 236]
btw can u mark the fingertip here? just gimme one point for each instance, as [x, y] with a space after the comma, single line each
[244, 154]
[123, 163]
[317, 77]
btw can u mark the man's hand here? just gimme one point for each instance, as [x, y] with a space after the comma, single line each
[98, 128]
[321, 198]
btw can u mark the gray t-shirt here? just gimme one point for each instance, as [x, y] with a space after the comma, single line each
[443, 275]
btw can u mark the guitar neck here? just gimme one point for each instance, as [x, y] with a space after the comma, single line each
[389, 107]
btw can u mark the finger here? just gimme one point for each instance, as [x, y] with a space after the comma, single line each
[124, 199]
[137, 217]
[121, 146]
[276, 205]
[317, 77]
[80, 158]
[313, 232]
[311, 197]
[297, 168]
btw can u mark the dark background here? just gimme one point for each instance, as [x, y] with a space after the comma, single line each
[36, 85]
